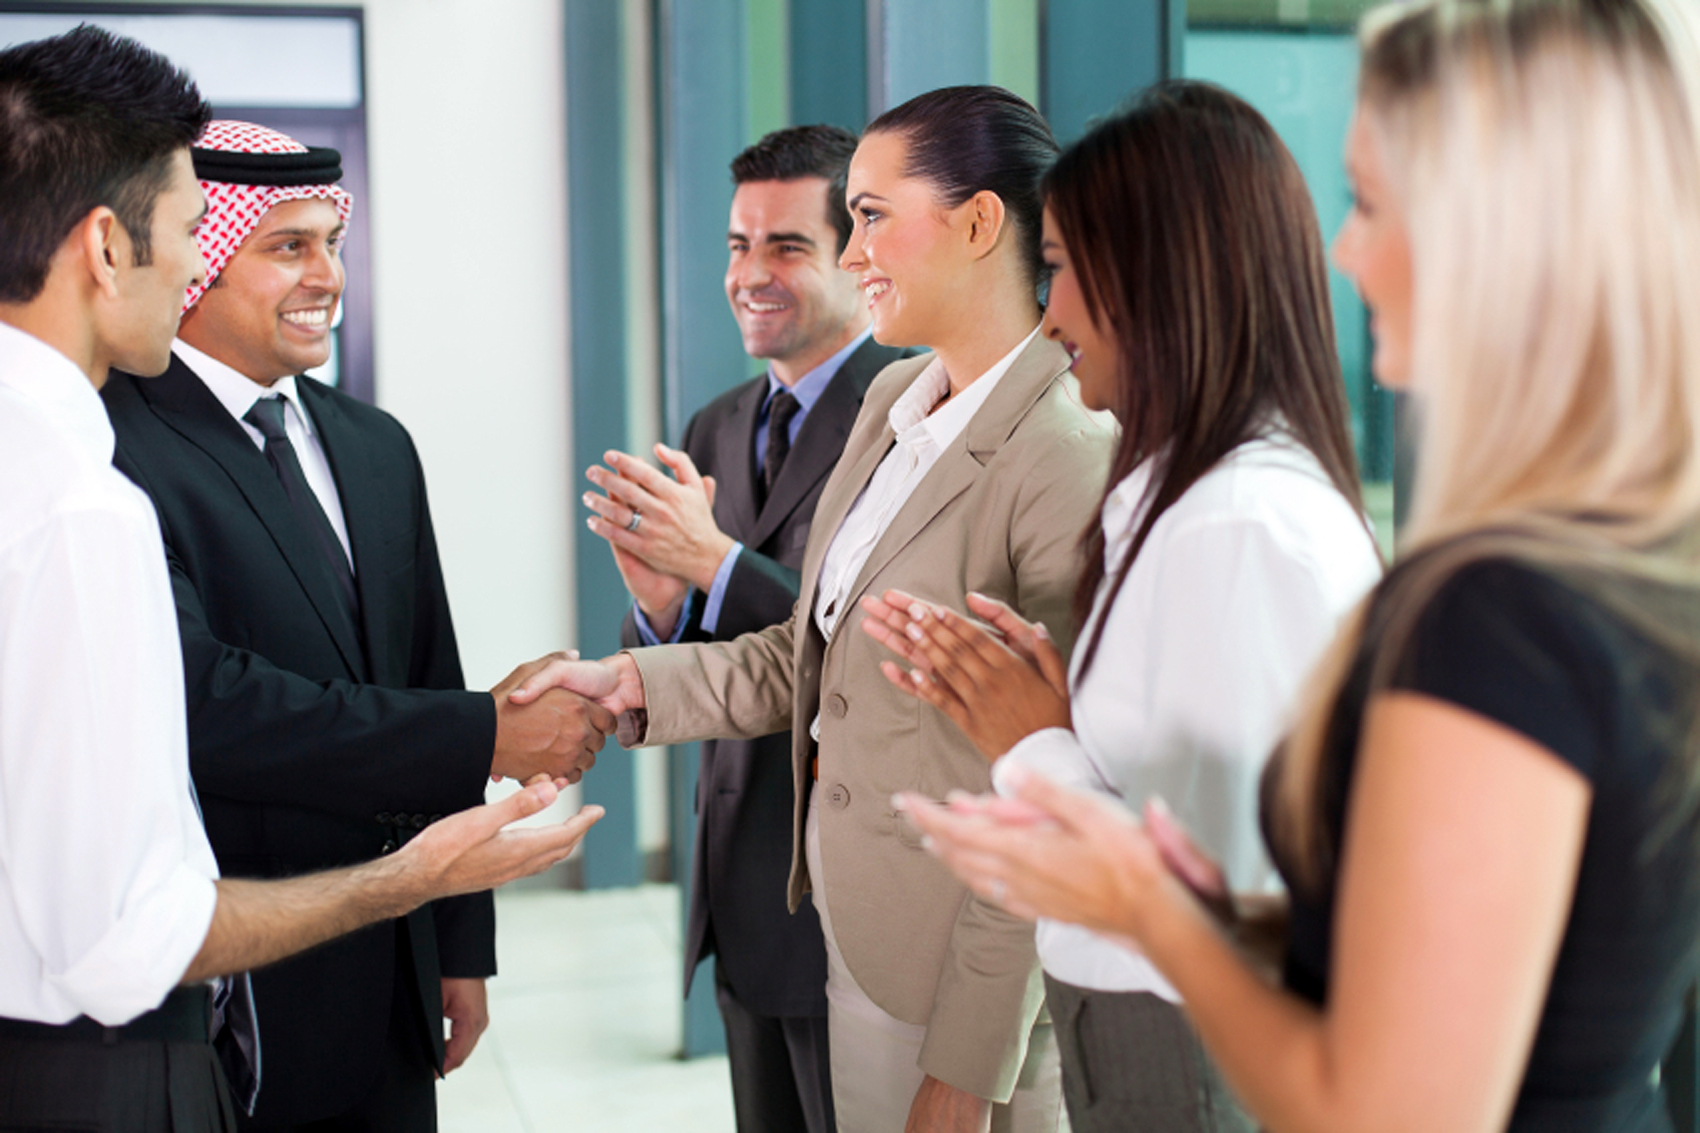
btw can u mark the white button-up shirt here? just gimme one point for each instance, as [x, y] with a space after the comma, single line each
[238, 394]
[921, 440]
[1235, 594]
[106, 879]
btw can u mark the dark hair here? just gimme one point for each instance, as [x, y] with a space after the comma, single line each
[87, 119]
[804, 151]
[965, 140]
[1198, 251]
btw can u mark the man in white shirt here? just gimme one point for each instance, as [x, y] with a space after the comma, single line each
[110, 901]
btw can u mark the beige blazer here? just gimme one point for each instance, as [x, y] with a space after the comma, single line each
[1001, 512]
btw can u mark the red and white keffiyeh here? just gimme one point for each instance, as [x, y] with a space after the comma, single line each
[234, 211]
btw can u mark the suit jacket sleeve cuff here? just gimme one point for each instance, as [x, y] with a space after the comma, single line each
[719, 690]
[990, 994]
[466, 936]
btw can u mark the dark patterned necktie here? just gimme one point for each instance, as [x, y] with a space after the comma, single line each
[780, 410]
[267, 417]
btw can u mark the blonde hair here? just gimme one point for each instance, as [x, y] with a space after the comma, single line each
[1547, 154]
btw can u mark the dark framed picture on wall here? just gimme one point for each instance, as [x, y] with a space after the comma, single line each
[297, 70]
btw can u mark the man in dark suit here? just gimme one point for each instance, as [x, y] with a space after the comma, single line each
[328, 718]
[715, 553]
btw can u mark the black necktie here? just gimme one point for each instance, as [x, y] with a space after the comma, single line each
[267, 417]
[235, 1031]
[780, 410]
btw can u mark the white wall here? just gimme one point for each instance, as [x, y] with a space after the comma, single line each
[467, 141]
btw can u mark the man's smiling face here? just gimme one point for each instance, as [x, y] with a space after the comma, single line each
[782, 276]
[269, 312]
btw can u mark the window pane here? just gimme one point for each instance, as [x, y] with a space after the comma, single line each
[1297, 63]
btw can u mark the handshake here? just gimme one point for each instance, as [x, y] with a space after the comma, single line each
[554, 714]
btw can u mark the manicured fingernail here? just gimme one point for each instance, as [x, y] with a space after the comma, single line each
[897, 802]
[926, 841]
[1156, 803]
[918, 677]
[1039, 630]
[914, 631]
[917, 611]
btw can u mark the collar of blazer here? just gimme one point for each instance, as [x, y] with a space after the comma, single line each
[1029, 378]
[185, 405]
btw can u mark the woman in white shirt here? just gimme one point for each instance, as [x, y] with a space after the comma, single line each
[1189, 288]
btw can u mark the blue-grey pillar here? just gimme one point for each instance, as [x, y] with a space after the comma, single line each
[915, 46]
[829, 63]
[1097, 52]
[595, 221]
[701, 122]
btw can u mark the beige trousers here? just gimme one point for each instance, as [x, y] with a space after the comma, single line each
[875, 1072]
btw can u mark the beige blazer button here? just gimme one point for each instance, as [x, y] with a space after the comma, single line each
[838, 706]
[838, 796]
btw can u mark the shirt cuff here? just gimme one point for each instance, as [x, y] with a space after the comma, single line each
[1056, 754]
[717, 590]
[143, 955]
[647, 633]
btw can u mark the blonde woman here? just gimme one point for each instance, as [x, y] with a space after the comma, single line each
[1487, 812]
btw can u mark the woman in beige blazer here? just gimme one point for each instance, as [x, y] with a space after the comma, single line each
[972, 468]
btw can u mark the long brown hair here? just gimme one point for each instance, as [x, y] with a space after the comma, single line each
[1198, 251]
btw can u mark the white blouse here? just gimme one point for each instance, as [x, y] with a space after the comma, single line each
[1237, 591]
[921, 440]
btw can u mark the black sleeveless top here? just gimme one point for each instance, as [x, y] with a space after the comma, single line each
[1524, 649]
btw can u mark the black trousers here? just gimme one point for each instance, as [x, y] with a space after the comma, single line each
[1131, 1060]
[781, 1067]
[403, 1099]
[84, 1079]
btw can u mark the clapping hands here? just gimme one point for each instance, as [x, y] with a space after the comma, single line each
[998, 685]
[662, 531]
[1049, 851]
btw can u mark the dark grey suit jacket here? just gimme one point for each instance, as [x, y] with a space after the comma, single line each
[775, 962]
[314, 742]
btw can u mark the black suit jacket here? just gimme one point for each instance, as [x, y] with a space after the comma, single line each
[314, 742]
[775, 962]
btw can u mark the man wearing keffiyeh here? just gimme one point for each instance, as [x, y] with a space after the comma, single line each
[328, 716]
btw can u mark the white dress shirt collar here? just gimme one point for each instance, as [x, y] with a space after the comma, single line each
[909, 416]
[237, 392]
[921, 441]
[52, 381]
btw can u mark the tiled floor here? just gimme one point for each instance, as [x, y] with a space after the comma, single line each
[584, 1024]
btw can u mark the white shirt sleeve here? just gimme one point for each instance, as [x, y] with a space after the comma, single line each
[1244, 617]
[108, 881]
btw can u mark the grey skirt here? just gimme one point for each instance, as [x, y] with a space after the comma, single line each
[1131, 1061]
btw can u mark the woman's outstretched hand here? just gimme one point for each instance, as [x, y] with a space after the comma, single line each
[996, 691]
